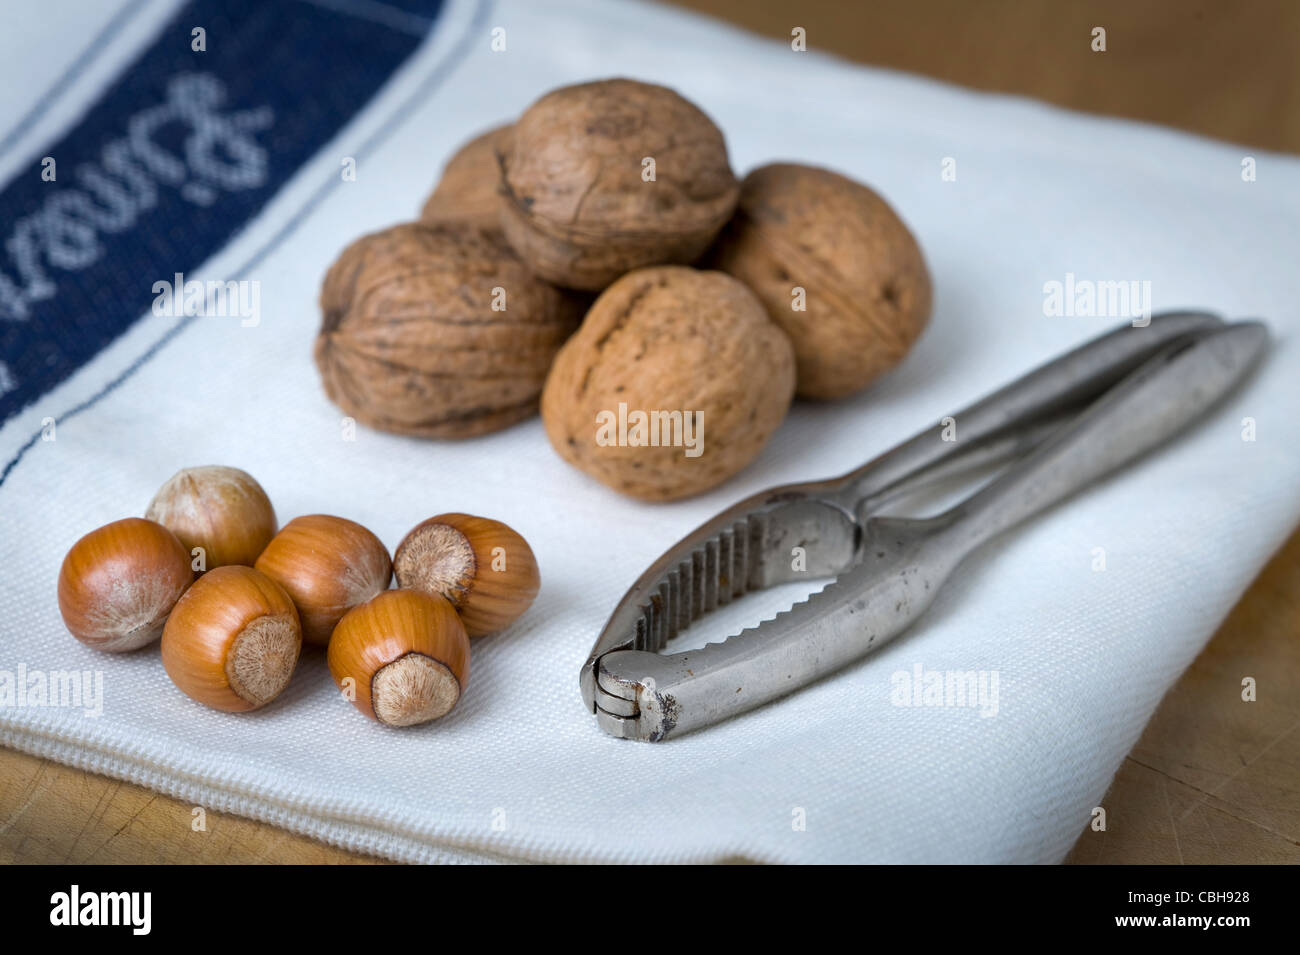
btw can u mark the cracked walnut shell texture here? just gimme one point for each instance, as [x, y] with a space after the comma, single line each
[469, 189]
[867, 290]
[577, 204]
[670, 339]
[410, 340]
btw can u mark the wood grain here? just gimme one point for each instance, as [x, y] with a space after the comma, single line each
[54, 814]
[1227, 70]
[1213, 779]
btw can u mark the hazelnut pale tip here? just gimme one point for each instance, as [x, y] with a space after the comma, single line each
[413, 689]
[437, 558]
[262, 658]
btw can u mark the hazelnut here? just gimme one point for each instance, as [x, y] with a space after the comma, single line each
[469, 190]
[327, 565]
[221, 510]
[233, 640]
[602, 178]
[481, 566]
[118, 584]
[437, 331]
[402, 658]
[866, 291]
[674, 383]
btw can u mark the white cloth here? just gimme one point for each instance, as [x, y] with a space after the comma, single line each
[520, 771]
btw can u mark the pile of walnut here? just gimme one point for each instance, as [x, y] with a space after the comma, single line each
[231, 638]
[718, 300]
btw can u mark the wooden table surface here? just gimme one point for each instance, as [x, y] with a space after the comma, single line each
[1213, 778]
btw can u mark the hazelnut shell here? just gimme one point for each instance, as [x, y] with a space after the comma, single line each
[407, 655]
[118, 583]
[222, 510]
[327, 565]
[483, 567]
[233, 640]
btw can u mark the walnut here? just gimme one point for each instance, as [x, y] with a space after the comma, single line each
[866, 291]
[411, 342]
[469, 190]
[675, 382]
[602, 178]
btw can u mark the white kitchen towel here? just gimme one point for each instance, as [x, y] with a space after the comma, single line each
[1086, 615]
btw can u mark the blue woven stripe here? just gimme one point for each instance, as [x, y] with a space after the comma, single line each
[172, 161]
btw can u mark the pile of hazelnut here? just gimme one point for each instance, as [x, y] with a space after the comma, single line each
[714, 297]
[231, 638]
